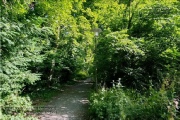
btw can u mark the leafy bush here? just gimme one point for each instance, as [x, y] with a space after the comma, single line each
[17, 117]
[21, 48]
[109, 104]
[119, 104]
[155, 105]
[81, 75]
[118, 56]
[148, 46]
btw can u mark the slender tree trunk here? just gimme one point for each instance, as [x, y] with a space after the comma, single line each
[53, 60]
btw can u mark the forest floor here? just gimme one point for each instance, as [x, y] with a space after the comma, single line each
[71, 104]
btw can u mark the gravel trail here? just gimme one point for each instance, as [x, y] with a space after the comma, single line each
[71, 104]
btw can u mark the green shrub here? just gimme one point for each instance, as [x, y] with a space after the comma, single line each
[153, 106]
[17, 117]
[119, 104]
[81, 75]
[21, 47]
[119, 57]
[109, 104]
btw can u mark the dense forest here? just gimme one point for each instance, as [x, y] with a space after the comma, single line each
[130, 48]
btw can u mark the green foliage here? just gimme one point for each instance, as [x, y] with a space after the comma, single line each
[21, 48]
[145, 57]
[81, 75]
[52, 43]
[122, 55]
[155, 104]
[119, 104]
[18, 117]
[143, 52]
[109, 104]
[40, 47]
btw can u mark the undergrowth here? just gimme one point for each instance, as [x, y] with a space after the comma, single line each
[118, 103]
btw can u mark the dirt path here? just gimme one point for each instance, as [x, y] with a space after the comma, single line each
[71, 104]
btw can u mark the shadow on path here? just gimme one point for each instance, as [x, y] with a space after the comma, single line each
[71, 104]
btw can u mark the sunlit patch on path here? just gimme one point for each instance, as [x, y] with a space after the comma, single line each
[71, 104]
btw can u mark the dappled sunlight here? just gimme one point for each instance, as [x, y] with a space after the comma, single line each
[54, 116]
[71, 104]
[84, 101]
